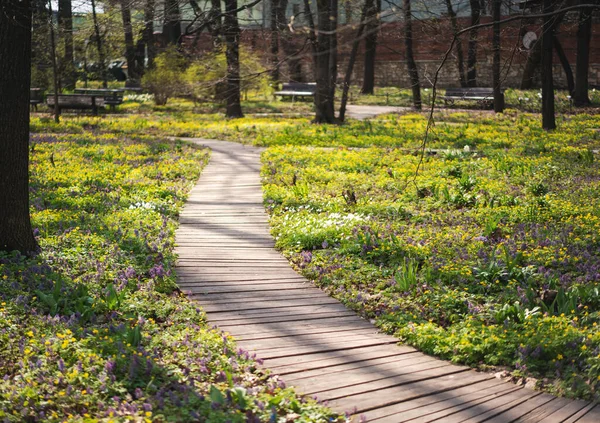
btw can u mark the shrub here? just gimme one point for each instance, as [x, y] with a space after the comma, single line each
[166, 80]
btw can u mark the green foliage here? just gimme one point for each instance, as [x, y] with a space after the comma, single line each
[206, 77]
[166, 78]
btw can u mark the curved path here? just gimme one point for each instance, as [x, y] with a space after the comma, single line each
[228, 264]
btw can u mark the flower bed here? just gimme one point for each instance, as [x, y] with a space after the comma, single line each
[489, 255]
[94, 329]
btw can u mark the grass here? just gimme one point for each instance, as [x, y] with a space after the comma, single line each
[94, 328]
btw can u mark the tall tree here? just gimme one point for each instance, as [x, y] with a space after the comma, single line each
[564, 61]
[460, 61]
[372, 29]
[65, 27]
[99, 46]
[498, 96]
[231, 29]
[275, 6]
[548, 118]
[133, 73]
[411, 65]
[172, 26]
[351, 60]
[148, 31]
[325, 63]
[584, 35]
[473, 40]
[15, 68]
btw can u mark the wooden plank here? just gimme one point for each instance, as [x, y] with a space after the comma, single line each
[490, 409]
[318, 348]
[294, 364]
[300, 341]
[438, 406]
[566, 413]
[280, 319]
[589, 415]
[523, 409]
[376, 397]
[419, 367]
[541, 413]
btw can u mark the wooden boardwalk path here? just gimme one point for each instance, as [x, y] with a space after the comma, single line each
[228, 264]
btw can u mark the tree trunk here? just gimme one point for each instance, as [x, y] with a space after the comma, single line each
[232, 53]
[472, 48]
[54, 63]
[413, 72]
[324, 95]
[533, 61]
[148, 32]
[133, 76]
[15, 68]
[351, 60]
[275, 5]
[99, 46]
[564, 61]
[374, 7]
[172, 26]
[548, 118]
[65, 27]
[498, 96]
[584, 35]
[460, 61]
[312, 35]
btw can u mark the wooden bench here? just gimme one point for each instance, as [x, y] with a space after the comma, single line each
[297, 89]
[112, 98]
[36, 96]
[77, 102]
[484, 96]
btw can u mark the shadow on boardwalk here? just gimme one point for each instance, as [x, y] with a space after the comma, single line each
[229, 265]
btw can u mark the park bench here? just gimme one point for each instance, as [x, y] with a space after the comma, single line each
[483, 96]
[297, 89]
[112, 97]
[36, 96]
[77, 102]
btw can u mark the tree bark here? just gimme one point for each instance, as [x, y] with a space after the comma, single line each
[148, 32]
[54, 63]
[351, 61]
[374, 8]
[275, 6]
[472, 47]
[15, 68]
[65, 25]
[172, 26]
[548, 118]
[413, 72]
[99, 46]
[460, 61]
[312, 35]
[498, 96]
[324, 95]
[133, 75]
[584, 35]
[231, 29]
[564, 61]
[533, 61]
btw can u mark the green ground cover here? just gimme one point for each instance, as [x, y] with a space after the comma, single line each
[489, 255]
[93, 328]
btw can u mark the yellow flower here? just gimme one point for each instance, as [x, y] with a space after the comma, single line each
[559, 357]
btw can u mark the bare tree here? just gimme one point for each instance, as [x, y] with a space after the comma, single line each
[65, 26]
[584, 35]
[326, 61]
[460, 61]
[372, 18]
[231, 29]
[473, 40]
[99, 47]
[15, 68]
[411, 65]
[133, 73]
[548, 118]
[498, 96]
[172, 25]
